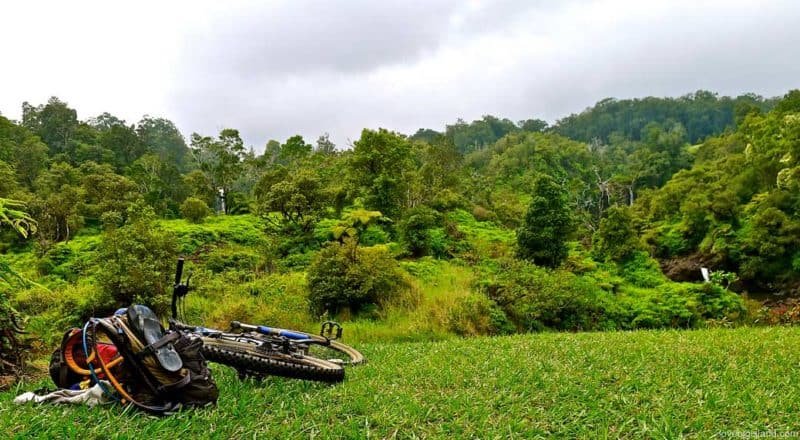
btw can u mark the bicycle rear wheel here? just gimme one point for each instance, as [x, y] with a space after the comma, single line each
[248, 360]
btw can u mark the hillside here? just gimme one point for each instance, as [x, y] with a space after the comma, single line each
[408, 238]
[656, 384]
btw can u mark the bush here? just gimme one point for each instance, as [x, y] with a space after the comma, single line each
[11, 349]
[476, 315]
[643, 271]
[616, 237]
[223, 259]
[137, 261]
[678, 305]
[482, 214]
[345, 275]
[415, 230]
[536, 298]
[194, 210]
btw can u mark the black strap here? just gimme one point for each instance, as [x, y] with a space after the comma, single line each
[160, 410]
[176, 385]
[167, 339]
[63, 369]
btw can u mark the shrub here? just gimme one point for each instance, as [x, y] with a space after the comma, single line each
[137, 260]
[643, 271]
[616, 238]
[537, 298]
[345, 275]
[223, 259]
[194, 210]
[415, 230]
[482, 214]
[475, 315]
[678, 305]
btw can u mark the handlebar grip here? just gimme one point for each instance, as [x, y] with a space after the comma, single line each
[179, 271]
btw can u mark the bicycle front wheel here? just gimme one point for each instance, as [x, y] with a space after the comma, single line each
[336, 352]
[248, 360]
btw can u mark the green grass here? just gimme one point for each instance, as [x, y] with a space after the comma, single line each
[649, 384]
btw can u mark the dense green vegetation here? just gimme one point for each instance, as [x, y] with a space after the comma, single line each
[648, 384]
[599, 222]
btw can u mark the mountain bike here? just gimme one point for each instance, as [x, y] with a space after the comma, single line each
[258, 350]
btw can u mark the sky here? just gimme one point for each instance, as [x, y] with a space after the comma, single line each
[272, 69]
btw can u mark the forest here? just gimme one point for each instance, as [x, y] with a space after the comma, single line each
[600, 221]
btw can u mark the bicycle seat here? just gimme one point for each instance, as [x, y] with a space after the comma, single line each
[146, 325]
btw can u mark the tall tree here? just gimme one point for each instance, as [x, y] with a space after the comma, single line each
[548, 224]
[220, 159]
[54, 122]
[162, 137]
[377, 166]
[325, 145]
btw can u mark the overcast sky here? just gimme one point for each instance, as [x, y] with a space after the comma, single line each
[278, 68]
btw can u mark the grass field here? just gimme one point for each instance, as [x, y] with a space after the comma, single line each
[648, 384]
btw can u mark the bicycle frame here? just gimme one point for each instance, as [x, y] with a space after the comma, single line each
[334, 330]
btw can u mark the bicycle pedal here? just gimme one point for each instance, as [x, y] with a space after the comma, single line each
[331, 330]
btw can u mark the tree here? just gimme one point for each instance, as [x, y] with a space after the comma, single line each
[137, 260]
[377, 166]
[543, 236]
[441, 166]
[23, 150]
[58, 203]
[161, 183]
[415, 230]
[220, 159]
[54, 122]
[162, 137]
[271, 152]
[200, 186]
[299, 198]
[534, 125]
[105, 121]
[425, 135]
[324, 145]
[125, 144]
[105, 191]
[616, 237]
[293, 150]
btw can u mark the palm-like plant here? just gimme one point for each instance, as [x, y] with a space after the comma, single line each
[12, 215]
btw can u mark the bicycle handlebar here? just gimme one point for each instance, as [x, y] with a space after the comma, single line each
[179, 289]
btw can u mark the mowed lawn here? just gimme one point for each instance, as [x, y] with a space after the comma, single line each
[653, 384]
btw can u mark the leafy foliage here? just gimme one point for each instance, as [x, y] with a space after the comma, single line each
[415, 230]
[195, 210]
[136, 261]
[345, 275]
[616, 239]
[548, 223]
[377, 167]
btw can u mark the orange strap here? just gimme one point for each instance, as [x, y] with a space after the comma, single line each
[73, 365]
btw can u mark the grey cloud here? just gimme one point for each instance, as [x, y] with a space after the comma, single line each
[335, 36]
[319, 67]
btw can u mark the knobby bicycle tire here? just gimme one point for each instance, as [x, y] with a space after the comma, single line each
[351, 356]
[247, 359]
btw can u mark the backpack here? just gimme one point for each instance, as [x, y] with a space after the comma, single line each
[68, 365]
[159, 371]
